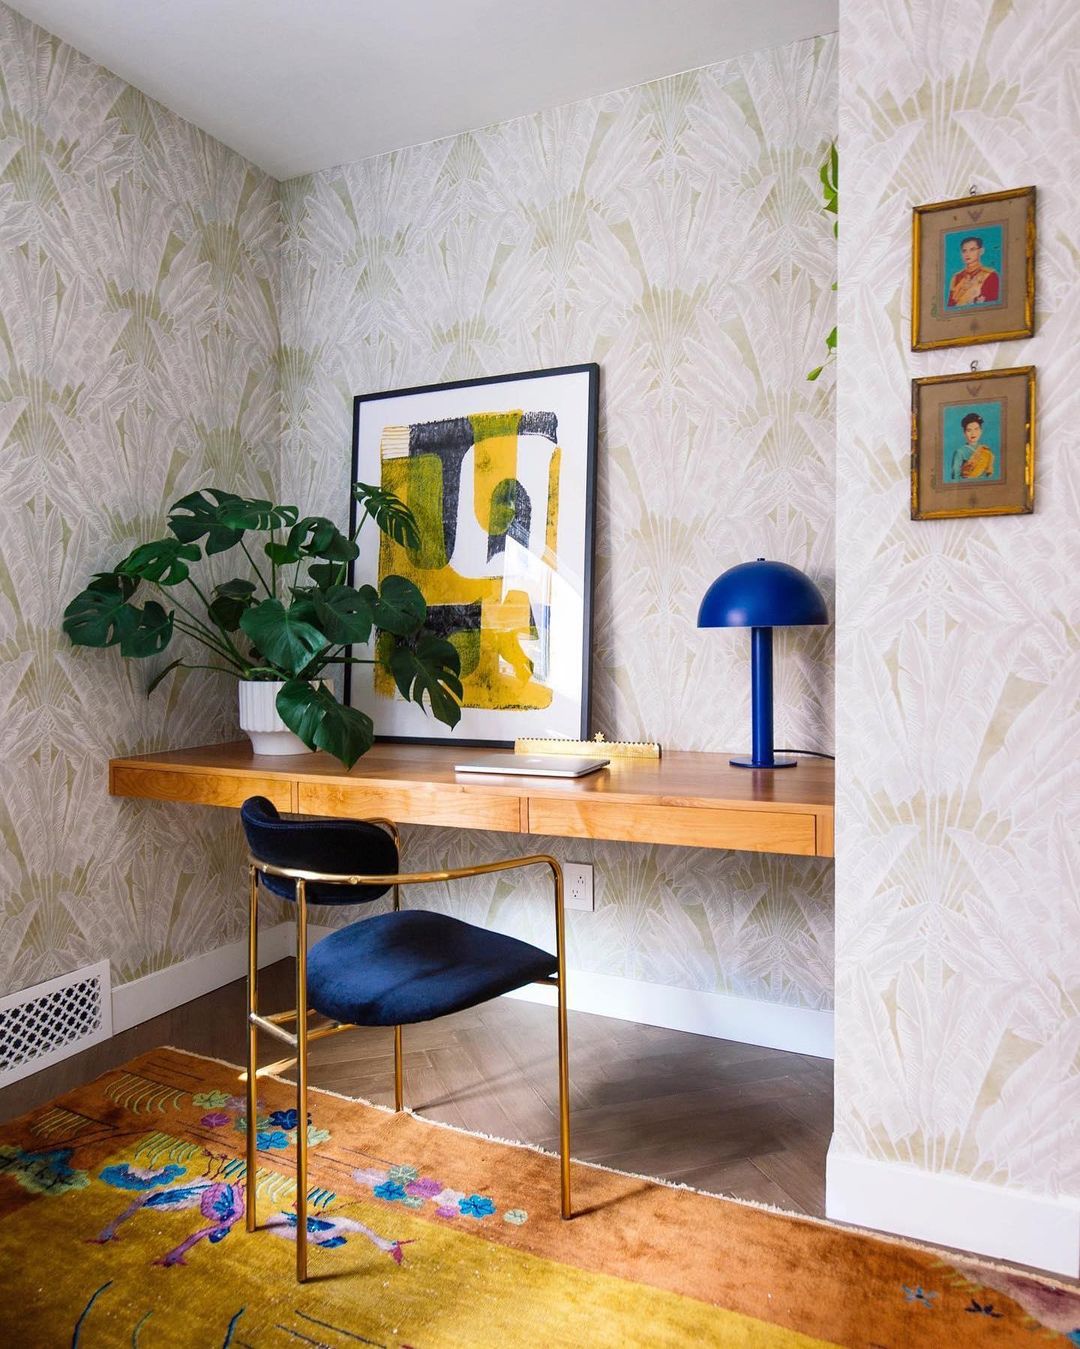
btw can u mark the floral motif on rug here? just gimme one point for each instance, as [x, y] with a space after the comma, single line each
[124, 1208]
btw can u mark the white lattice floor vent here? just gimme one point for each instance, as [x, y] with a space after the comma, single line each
[40, 1026]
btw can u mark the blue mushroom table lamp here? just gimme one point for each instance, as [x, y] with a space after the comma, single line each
[761, 596]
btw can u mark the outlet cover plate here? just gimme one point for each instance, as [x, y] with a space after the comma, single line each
[578, 886]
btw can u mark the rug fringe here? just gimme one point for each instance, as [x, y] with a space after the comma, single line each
[888, 1238]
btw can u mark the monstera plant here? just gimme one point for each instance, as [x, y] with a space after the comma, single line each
[290, 618]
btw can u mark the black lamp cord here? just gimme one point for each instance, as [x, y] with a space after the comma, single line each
[815, 753]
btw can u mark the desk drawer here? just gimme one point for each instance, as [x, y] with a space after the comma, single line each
[688, 826]
[198, 789]
[418, 803]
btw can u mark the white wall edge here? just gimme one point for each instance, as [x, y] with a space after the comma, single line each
[164, 989]
[948, 1210]
[800, 1030]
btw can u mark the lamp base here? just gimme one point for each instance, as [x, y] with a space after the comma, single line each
[747, 761]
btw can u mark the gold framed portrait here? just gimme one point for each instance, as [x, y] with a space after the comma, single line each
[973, 270]
[973, 444]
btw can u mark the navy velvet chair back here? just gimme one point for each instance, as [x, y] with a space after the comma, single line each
[344, 847]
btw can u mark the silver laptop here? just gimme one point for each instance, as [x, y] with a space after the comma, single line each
[532, 765]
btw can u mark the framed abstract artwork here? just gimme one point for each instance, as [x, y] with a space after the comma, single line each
[973, 444]
[973, 270]
[500, 475]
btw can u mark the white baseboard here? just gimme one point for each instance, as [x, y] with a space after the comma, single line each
[798, 1029]
[801, 1030]
[176, 984]
[992, 1220]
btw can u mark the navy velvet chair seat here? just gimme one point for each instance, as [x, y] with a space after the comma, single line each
[392, 969]
[397, 968]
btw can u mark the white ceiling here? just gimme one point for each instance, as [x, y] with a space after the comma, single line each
[300, 85]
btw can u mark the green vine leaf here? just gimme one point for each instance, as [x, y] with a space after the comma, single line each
[829, 173]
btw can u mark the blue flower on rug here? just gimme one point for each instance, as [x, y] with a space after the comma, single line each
[477, 1206]
[125, 1177]
[269, 1139]
[286, 1119]
[389, 1189]
[919, 1295]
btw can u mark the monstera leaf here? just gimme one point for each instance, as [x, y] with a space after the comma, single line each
[165, 561]
[282, 635]
[344, 614]
[203, 515]
[150, 635]
[431, 665]
[399, 607]
[390, 513]
[258, 515]
[100, 615]
[291, 638]
[231, 600]
[321, 722]
[313, 536]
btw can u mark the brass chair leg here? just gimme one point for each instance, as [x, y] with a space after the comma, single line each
[251, 1173]
[301, 1082]
[399, 1074]
[564, 1046]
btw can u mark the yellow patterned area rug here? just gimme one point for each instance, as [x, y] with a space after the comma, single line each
[123, 1224]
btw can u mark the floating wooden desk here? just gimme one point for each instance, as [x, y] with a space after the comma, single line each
[696, 800]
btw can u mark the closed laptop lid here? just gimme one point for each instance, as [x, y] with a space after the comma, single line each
[532, 765]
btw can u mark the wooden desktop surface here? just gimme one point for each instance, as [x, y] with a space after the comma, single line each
[693, 799]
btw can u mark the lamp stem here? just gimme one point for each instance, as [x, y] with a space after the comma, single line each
[762, 696]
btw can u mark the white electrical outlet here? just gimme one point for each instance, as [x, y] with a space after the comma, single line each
[578, 888]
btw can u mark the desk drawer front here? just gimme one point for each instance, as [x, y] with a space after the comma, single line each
[688, 826]
[414, 804]
[198, 789]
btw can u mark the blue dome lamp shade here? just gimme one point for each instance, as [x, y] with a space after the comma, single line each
[761, 596]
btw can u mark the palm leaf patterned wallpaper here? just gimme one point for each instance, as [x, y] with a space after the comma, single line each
[958, 874]
[673, 232]
[138, 346]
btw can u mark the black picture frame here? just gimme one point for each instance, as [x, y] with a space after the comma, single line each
[592, 412]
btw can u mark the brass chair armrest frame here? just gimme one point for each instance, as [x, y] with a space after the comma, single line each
[404, 878]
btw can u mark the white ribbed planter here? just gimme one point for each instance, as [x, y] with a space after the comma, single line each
[260, 721]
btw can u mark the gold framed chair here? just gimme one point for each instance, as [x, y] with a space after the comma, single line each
[359, 975]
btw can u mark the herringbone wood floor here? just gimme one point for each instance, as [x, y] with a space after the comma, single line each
[715, 1114]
